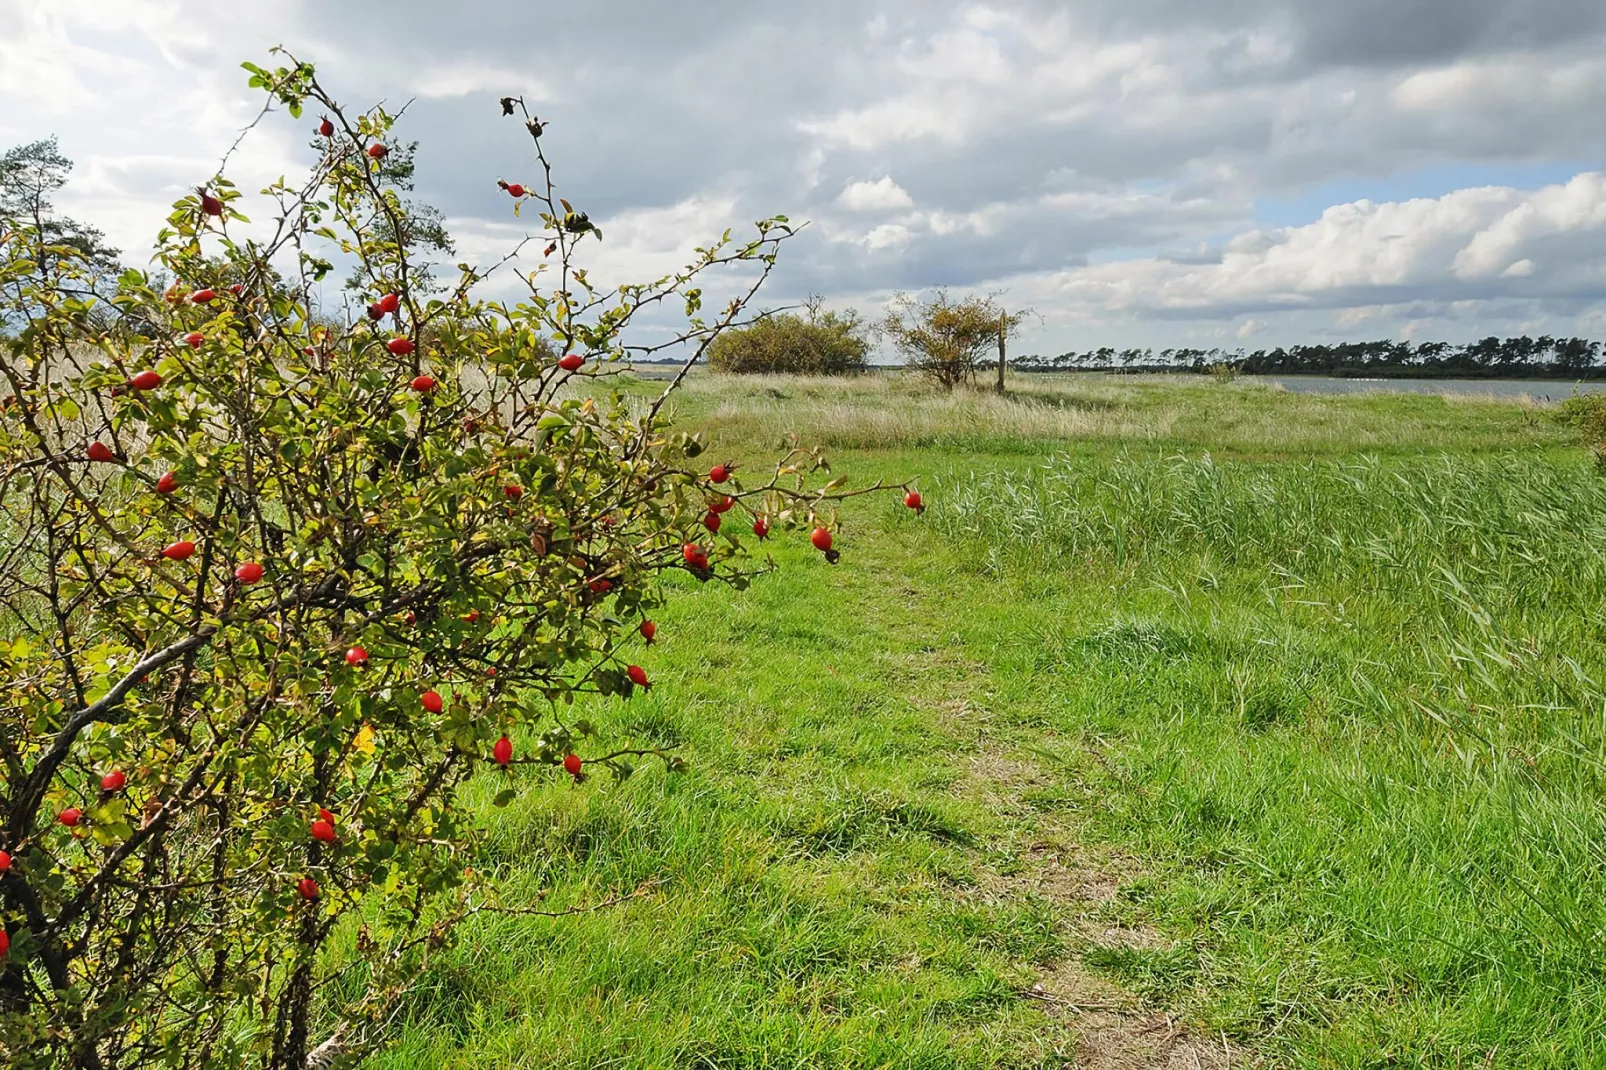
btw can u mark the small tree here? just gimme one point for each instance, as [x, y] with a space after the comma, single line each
[419, 227]
[824, 343]
[272, 588]
[946, 339]
[30, 175]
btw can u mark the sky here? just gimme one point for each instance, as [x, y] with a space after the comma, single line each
[1134, 172]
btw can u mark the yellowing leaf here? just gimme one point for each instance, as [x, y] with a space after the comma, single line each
[364, 740]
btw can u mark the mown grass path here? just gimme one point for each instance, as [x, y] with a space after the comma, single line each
[850, 875]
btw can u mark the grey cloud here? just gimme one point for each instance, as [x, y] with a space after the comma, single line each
[1384, 32]
[1370, 33]
[1190, 109]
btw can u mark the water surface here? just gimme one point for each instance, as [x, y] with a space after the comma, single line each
[1540, 389]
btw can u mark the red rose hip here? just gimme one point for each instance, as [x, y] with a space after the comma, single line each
[248, 573]
[432, 701]
[202, 297]
[322, 830]
[821, 539]
[179, 551]
[194, 339]
[145, 381]
[99, 451]
[308, 888]
[638, 676]
[648, 630]
[356, 656]
[761, 527]
[400, 347]
[572, 764]
[719, 473]
[168, 483]
[389, 303]
[572, 362]
[503, 751]
[113, 781]
[423, 384]
[70, 816]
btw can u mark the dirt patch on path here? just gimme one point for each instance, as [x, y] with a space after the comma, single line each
[1112, 1029]
[1114, 1032]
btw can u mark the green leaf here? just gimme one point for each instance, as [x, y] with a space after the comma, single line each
[108, 833]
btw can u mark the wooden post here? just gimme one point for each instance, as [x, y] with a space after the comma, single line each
[1003, 329]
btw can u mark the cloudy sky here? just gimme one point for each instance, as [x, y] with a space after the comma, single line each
[1139, 172]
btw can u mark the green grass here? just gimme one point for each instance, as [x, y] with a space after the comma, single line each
[1320, 682]
[809, 863]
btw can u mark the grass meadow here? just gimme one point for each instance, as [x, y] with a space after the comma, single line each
[1193, 724]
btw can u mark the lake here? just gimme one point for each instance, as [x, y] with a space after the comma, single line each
[1539, 389]
[1544, 389]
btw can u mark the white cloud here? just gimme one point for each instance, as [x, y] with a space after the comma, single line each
[882, 195]
[1369, 255]
[903, 119]
[887, 236]
[641, 244]
[1536, 80]
[1351, 317]
[1578, 208]
[444, 81]
[39, 64]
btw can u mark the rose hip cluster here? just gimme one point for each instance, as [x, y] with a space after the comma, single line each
[249, 573]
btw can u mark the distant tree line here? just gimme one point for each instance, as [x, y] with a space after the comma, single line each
[1492, 358]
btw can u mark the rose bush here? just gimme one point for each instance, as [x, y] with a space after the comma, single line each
[275, 580]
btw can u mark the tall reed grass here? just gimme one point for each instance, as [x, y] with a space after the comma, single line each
[1364, 702]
